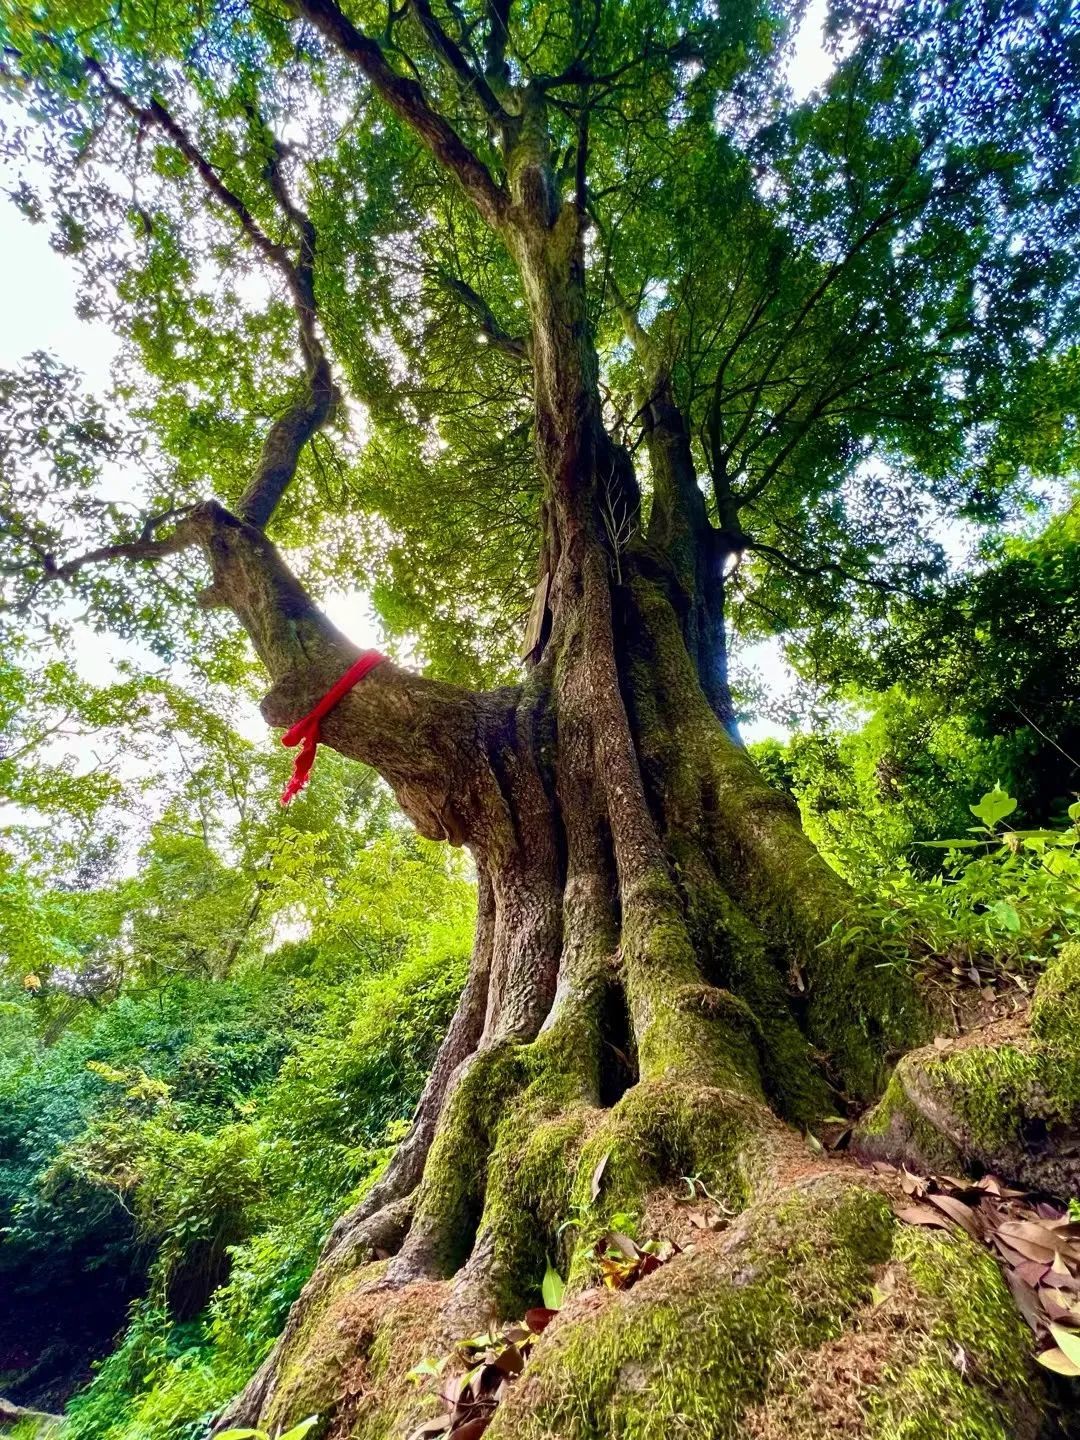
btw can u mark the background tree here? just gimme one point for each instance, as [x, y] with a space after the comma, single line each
[822, 311]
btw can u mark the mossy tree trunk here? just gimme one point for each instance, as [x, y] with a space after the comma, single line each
[654, 983]
[655, 987]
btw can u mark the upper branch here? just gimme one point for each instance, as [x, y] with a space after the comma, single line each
[498, 32]
[144, 546]
[156, 114]
[826, 567]
[455, 60]
[498, 338]
[291, 431]
[406, 98]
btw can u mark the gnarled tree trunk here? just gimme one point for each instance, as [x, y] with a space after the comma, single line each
[656, 990]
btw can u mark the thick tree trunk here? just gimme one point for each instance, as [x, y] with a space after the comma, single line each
[656, 985]
[654, 990]
[654, 980]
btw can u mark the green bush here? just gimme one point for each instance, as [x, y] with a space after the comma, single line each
[249, 1203]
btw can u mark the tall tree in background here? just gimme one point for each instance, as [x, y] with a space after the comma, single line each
[612, 313]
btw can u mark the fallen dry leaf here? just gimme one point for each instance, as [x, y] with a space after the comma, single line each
[956, 1210]
[921, 1215]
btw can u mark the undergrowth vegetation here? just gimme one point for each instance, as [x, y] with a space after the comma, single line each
[183, 1148]
[972, 887]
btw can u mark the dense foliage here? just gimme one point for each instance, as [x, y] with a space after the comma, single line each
[852, 314]
[193, 1135]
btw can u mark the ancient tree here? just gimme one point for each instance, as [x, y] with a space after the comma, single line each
[641, 338]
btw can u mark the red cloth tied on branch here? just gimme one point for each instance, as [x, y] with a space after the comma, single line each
[305, 732]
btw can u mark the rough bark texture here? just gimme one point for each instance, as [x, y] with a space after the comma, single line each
[655, 992]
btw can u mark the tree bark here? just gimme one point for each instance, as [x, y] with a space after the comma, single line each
[656, 990]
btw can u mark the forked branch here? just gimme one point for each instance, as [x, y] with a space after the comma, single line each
[408, 101]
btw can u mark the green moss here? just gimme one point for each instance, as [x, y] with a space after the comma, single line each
[996, 1091]
[734, 956]
[660, 1131]
[1055, 1009]
[680, 1031]
[686, 1350]
[863, 1012]
[895, 1125]
[528, 1198]
[860, 1011]
[988, 1105]
[541, 1173]
[702, 1031]
[969, 1377]
[939, 1353]
[451, 1197]
[987, 1088]
[753, 1339]
[310, 1370]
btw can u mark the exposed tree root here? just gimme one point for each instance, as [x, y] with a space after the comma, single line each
[1004, 1099]
[816, 1314]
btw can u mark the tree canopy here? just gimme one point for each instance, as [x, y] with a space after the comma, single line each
[863, 300]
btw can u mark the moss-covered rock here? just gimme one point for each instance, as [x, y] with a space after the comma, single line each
[1005, 1100]
[1055, 1007]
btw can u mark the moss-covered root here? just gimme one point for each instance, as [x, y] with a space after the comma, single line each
[1009, 1103]
[817, 1308]
[712, 796]
[350, 1363]
[558, 1178]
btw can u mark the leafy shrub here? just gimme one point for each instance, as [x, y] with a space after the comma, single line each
[1003, 898]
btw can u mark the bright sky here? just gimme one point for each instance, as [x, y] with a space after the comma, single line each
[39, 314]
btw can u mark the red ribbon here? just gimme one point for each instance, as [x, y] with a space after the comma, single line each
[305, 732]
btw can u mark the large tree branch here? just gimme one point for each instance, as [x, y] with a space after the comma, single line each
[428, 740]
[289, 434]
[827, 567]
[425, 738]
[407, 99]
[453, 57]
[498, 32]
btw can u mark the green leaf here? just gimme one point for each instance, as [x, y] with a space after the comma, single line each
[425, 1368]
[299, 1431]
[1069, 1342]
[553, 1288]
[1006, 914]
[994, 806]
[244, 1433]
